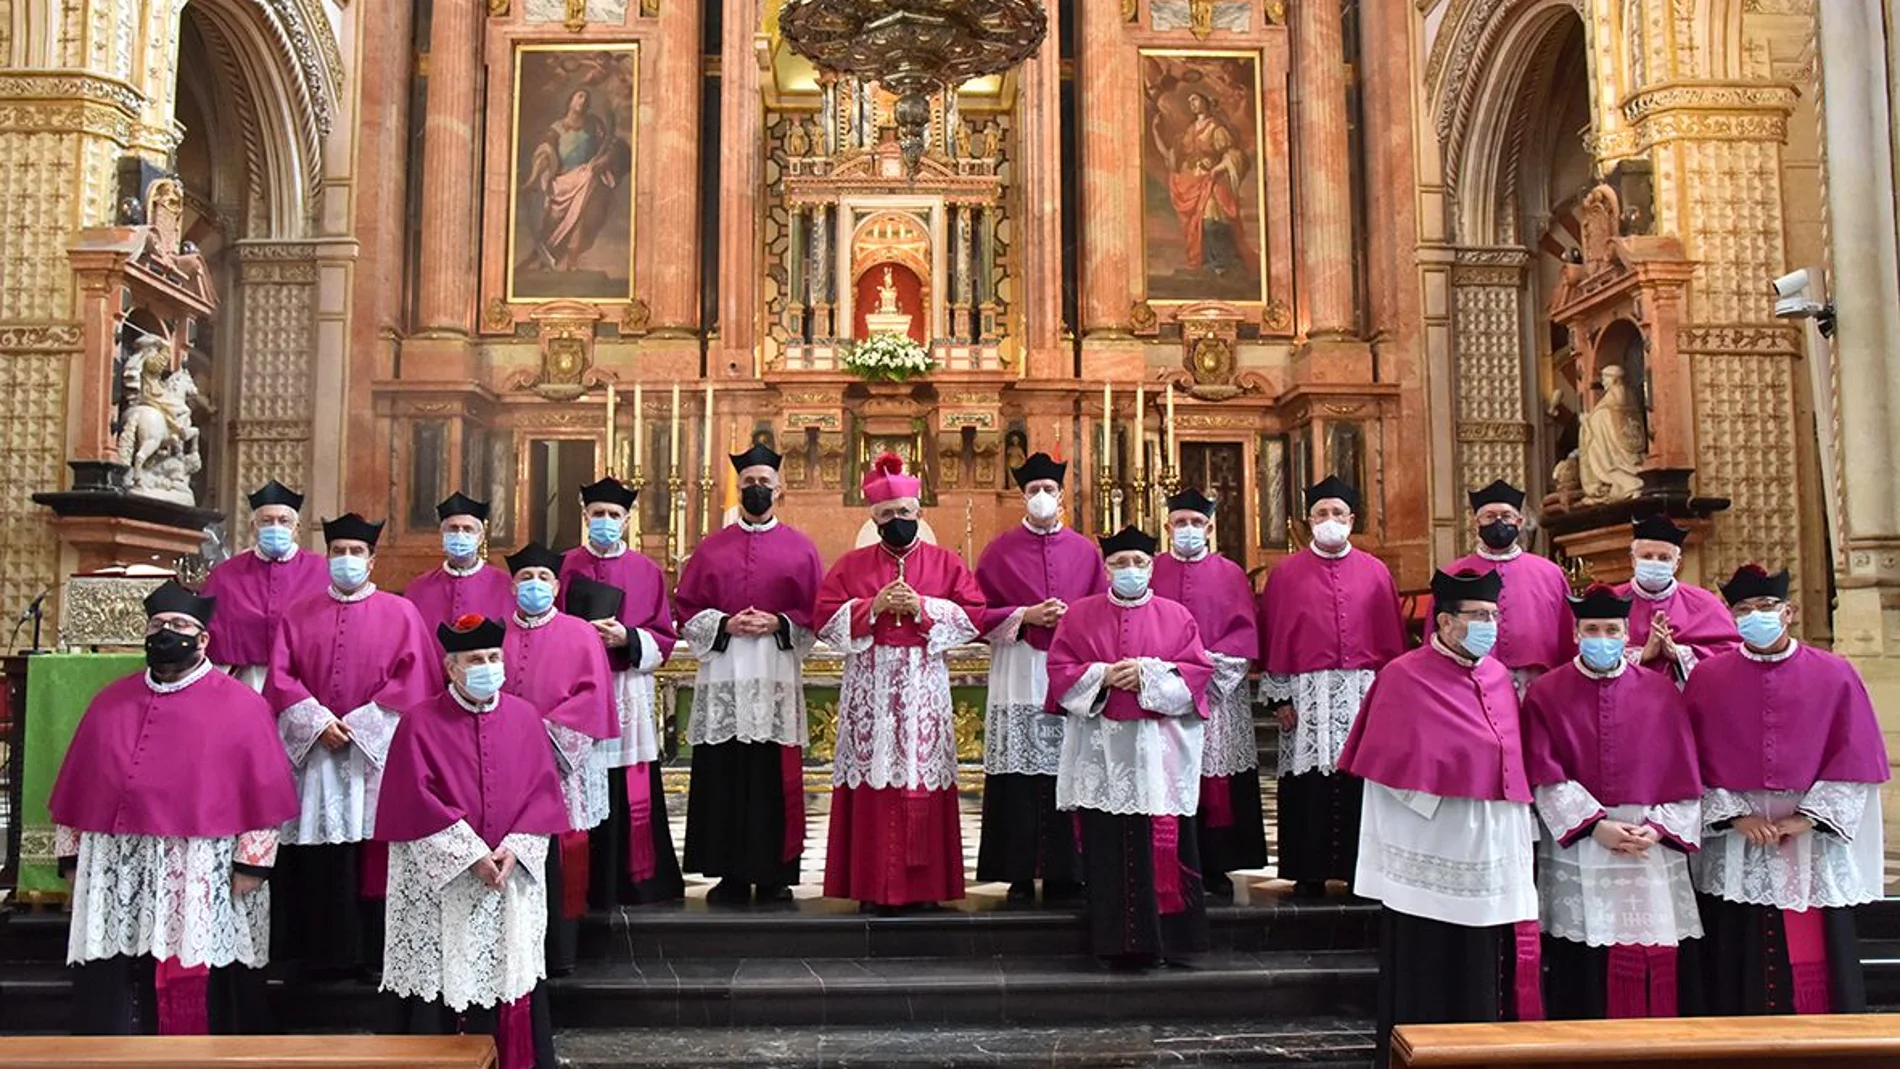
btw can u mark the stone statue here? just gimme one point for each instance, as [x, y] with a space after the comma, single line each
[963, 140]
[992, 142]
[797, 145]
[157, 440]
[1612, 444]
[887, 296]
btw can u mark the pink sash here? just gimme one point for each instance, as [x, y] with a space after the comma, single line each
[574, 865]
[1807, 960]
[1217, 801]
[640, 860]
[514, 1033]
[372, 870]
[1165, 839]
[1530, 971]
[182, 1009]
[1642, 981]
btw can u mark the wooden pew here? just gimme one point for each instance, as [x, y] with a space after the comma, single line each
[247, 1052]
[1861, 1041]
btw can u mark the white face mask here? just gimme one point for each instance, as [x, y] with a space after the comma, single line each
[1331, 534]
[1043, 506]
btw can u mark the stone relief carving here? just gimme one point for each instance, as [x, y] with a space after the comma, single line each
[157, 440]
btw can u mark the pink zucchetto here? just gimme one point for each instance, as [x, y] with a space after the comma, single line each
[887, 480]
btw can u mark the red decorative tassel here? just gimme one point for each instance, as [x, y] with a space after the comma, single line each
[1662, 981]
[1165, 837]
[1628, 994]
[1530, 972]
[1217, 801]
[641, 863]
[1807, 960]
[514, 1034]
[791, 766]
[182, 1009]
[372, 875]
[574, 868]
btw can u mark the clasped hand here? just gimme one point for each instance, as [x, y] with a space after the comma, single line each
[1662, 640]
[752, 623]
[896, 599]
[1047, 614]
[1125, 674]
[1621, 838]
[1764, 832]
[495, 869]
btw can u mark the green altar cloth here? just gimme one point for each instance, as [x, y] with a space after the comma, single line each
[59, 686]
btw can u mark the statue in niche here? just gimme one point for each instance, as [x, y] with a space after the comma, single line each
[1612, 443]
[157, 440]
[815, 134]
[797, 145]
[992, 141]
[887, 296]
[963, 140]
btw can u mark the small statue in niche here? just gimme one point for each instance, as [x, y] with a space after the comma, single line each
[887, 296]
[1612, 443]
[157, 440]
[797, 145]
[963, 140]
[992, 141]
[815, 136]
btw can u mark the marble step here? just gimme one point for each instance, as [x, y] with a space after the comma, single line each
[1338, 1043]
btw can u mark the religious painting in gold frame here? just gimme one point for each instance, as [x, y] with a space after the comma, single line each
[571, 172]
[1203, 177]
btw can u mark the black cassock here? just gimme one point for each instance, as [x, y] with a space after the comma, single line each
[610, 884]
[1318, 824]
[1240, 842]
[1025, 837]
[1744, 960]
[735, 814]
[1438, 973]
[119, 996]
[1125, 923]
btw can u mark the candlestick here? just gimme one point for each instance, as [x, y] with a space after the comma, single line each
[1141, 425]
[1108, 418]
[705, 504]
[675, 498]
[705, 461]
[637, 482]
[673, 443]
[1171, 459]
[613, 456]
[1104, 502]
[639, 424]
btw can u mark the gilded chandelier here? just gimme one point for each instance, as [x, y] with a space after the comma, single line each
[914, 47]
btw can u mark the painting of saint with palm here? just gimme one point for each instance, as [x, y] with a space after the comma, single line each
[573, 208]
[1201, 181]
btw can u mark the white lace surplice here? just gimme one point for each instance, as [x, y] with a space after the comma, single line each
[251, 675]
[336, 789]
[1229, 745]
[895, 727]
[452, 938]
[1819, 869]
[573, 760]
[1018, 737]
[1146, 767]
[167, 898]
[1462, 861]
[1326, 703]
[752, 691]
[1595, 896]
[639, 739]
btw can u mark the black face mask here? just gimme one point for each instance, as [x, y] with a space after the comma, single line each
[1498, 534]
[169, 649]
[756, 500]
[898, 533]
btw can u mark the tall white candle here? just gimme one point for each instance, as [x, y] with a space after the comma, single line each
[673, 443]
[705, 463]
[1141, 429]
[1170, 461]
[613, 455]
[1108, 421]
[639, 424]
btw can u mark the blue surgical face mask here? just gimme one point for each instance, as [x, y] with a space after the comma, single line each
[1480, 636]
[1601, 654]
[1129, 583]
[348, 573]
[1761, 628]
[482, 681]
[460, 545]
[1654, 574]
[603, 531]
[534, 596]
[275, 541]
[1190, 540]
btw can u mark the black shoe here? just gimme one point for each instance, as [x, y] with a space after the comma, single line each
[729, 893]
[1129, 962]
[1064, 895]
[1218, 886]
[774, 895]
[1021, 893]
[1309, 889]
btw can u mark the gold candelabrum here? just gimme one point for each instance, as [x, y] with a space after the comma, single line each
[1142, 505]
[637, 482]
[1105, 500]
[675, 509]
[1167, 487]
[705, 504]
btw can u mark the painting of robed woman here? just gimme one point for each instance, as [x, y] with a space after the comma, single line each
[1202, 210]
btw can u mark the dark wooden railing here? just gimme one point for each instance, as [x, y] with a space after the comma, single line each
[248, 1052]
[1860, 1041]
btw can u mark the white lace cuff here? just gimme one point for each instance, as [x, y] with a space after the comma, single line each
[1681, 821]
[531, 853]
[1276, 689]
[65, 841]
[1230, 675]
[803, 639]
[836, 631]
[1836, 807]
[371, 729]
[1685, 662]
[1162, 689]
[257, 849]
[701, 632]
[448, 853]
[1566, 807]
[299, 727]
[1010, 630]
[570, 747]
[1089, 694]
[950, 626]
[1423, 803]
[1721, 805]
[649, 650]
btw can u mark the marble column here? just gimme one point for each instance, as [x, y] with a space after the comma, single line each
[671, 230]
[821, 303]
[446, 299]
[1111, 121]
[741, 133]
[1038, 160]
[1325, 169]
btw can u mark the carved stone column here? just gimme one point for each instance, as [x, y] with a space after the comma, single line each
[446, 301]
[1109, 106]
[1325, 169]
[740, 182]
[1493, 440]
[1039, 155]
[671, 287]
[960, 273]
[821, 302]
[277, 333]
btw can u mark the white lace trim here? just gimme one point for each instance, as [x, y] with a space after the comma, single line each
[453, 938]
[1162, 690]
[1458, 860]
[1019, 738]
[1601, 898]
[572, 753]
[533, 623]
[895, 726]
[201, 670]
[1565, 806]
[1682, 820]
[836, 632]
[1810, 870]
[299, 725]
[1325, 705]
[1339, 554]
[359, 594]
[1131, 767]
[1838, 805]
[337, 790]
[167, 898]
[619, 548]
[1229, 745]
[1770, 658]
[752, 691]
[1008, 631]
[1513, 553]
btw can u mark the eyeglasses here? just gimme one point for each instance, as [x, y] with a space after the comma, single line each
[1481, 616]
[177, 627]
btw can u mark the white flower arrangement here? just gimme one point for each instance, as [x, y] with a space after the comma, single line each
[888, 358]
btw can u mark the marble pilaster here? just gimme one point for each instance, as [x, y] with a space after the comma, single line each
[1108, 103]
[1040, 228]
[671, 285]
[741, 174]
[446, 298]
[1326, 240]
